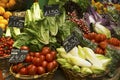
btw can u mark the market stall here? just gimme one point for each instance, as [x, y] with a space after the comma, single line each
[60, 39]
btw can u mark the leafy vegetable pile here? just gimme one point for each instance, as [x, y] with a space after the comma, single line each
[42, 30]
[83, 59]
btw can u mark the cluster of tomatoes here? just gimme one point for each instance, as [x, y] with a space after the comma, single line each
[5, 46]
[38, 63]
[102, 41]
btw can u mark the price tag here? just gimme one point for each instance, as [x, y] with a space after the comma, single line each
[22, 55]
[14, 55]
[51, 10]
[70, 42]
[18, 55]
[15, 21]
[1, 32]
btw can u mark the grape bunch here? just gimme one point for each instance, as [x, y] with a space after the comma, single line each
[80, 22]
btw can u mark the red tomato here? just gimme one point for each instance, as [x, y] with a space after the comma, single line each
[37, 54]
[45, 50]
[29, 66]
[19, 66]
[42, 57]
[40, 70]
[14, 68]
[50, 66]
[53, 54]
[44, 64]
[23, 71]
[32, 70]
[49, 57]
[31, 53]
[31, 58]
[55, 63]
[28, 58]
[37, 61]
[24, 48]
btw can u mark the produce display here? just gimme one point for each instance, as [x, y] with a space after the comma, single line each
[83, 59]
[80, 36]
[37, 63]
[102, 41]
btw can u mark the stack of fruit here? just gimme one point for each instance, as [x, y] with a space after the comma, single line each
[4, 17]
[36, 63]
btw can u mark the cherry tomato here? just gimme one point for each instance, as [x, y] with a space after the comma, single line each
[24, 48]
[23, 71]
[37, 61]
[44, 64]
[49, 57]
[32, 70]
[50, 66]
[53, 53]
[45, 50]
[40, 70]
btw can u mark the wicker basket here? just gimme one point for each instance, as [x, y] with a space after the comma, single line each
[4, 64]
[46, 76]
[72, 75]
